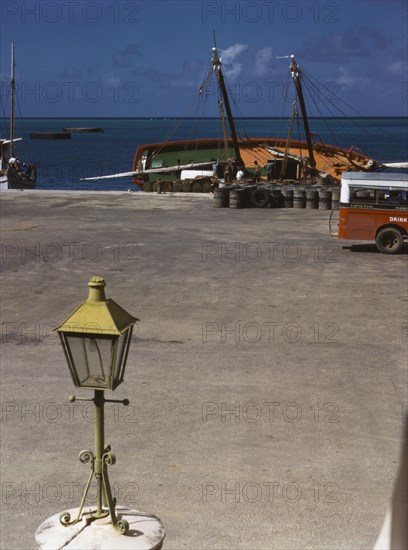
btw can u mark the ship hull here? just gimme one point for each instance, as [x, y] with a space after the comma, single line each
[290, 158]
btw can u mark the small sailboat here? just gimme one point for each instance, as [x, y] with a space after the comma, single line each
[13, 173]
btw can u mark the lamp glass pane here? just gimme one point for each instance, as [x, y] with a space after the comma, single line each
[120, 352]
[92, 358]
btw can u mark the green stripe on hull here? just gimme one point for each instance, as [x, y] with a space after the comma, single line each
[194, 155]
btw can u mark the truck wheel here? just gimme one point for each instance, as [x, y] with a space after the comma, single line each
[389, 240]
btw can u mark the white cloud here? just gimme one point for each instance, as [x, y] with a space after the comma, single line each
[232, 67]
[263, 60]
[345, 78]
[396, 67]
[110, 80]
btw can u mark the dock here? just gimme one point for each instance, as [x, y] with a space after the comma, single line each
[267, 375]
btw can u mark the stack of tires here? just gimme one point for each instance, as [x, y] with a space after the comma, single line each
[221, 197]
[287, 193]
[238, 198]
[299, 198]
[286, 196]
[312, 199]
[260, 197]
[325, 199]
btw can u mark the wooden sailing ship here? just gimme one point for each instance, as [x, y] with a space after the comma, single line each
[293, 160]
[305, 161]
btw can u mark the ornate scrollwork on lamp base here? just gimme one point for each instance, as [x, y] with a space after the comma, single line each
[108, 459]
[99, 461]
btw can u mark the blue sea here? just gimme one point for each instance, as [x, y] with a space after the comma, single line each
[61, 164]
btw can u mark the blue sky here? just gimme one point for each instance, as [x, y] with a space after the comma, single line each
[124, 58]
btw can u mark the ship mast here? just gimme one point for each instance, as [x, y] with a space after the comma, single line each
[12, 89]
[220, 77]
[224, 129]
[294, 67]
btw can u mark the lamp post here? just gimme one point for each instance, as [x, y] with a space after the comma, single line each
[96, 339]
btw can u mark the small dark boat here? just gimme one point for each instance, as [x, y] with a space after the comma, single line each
[50, 135]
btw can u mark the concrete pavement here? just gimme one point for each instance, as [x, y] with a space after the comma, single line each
[267, 376]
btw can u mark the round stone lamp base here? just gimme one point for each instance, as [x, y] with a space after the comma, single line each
[146, 532]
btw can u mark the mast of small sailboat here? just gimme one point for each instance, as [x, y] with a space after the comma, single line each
[294, 67]
[221, 82]
[12, 88]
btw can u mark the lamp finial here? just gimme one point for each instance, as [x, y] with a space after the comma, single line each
[96, 289]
